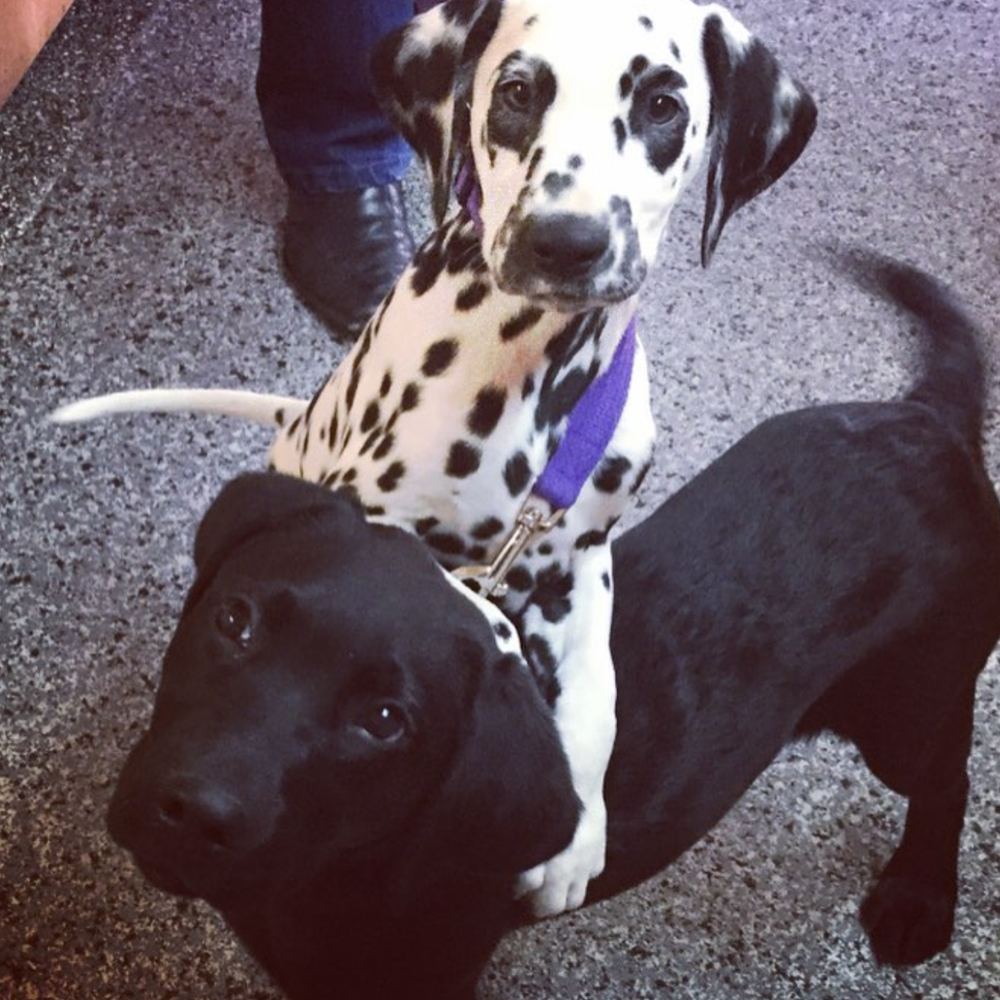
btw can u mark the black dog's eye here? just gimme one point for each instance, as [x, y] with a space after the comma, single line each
[516, 94]
[234, 620]
[662, 108]
[384, 722]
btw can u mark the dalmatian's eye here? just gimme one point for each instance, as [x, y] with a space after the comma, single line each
[235, 620]
[662, 108]
[384, 722]
[516, 94]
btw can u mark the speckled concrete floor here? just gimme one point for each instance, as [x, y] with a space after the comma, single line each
[138, 211]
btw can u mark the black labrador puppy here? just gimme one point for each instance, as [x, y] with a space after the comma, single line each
[342, 760]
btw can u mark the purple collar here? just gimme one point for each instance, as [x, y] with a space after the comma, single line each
[592, 422]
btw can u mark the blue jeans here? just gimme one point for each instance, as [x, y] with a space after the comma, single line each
[322, 122]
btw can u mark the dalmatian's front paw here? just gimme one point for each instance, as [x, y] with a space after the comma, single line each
[560, 884]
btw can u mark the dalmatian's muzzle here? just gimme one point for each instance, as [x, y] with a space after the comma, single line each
[569, 260]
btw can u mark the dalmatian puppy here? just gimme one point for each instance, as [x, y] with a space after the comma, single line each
[577, 128]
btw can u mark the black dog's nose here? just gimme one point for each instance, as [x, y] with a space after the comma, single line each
[566, 245]
[205, 814]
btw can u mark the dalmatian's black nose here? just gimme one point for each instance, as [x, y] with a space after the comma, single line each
[565, 246]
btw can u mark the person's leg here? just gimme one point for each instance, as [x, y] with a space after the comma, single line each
[346, 238]
[324, 125]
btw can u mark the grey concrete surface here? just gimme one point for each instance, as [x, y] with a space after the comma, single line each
[138, 217]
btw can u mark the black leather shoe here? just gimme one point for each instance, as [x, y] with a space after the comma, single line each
[344, 250]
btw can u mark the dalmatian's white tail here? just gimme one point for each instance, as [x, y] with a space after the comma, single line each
[258, 407]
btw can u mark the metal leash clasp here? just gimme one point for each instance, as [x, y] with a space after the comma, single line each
[488, 581]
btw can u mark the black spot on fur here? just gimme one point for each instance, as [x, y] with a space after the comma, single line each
[369, 442]
[675, 51]
[503, 630]
[521, 322]
[350, 475]
[370, 417]
[606, 580]
[515, 122]
[528, 387]
[575, 161]
[486, 413]
[463, 251]
[553, 589]
[352, 389]
[555, 183]
[486, 529]
[536, 158]
[640, 478]
[463, 460]
[334, 427]
[609, 474]
[591, 538]
[645, 22]
[471, 296]
[410, 398]
[428, 264]
[625, 85]
[385, 446]
[659, 117]
[374, 509]
[386, 387]
[519, 578]
[279, 416]
[516, 473]
[446, 542]
[389, 479]
[425, 524]
[638, 65]
[439, 357]
[620, 134]
[543, 667]
[560, 398]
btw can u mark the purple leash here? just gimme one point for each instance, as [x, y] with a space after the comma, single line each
[591, 424]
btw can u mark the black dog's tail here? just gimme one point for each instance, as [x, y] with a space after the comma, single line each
[952, 378]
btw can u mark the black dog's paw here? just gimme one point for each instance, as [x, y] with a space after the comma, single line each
[907, 920]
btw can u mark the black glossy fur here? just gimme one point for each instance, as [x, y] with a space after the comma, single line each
[342, 762]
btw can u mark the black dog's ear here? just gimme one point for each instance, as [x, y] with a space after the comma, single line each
[761, 121]
[423, 77]
[258, 502]
[508, 802]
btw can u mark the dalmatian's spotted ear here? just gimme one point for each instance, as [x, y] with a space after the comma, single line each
[423, 77]
[761, 121]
